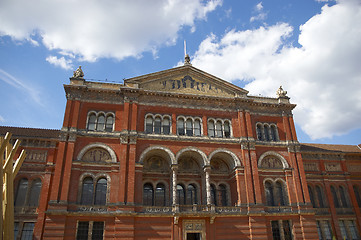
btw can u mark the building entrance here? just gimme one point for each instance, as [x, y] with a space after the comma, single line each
[194, 236]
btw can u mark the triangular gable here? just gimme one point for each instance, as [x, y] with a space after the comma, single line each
[187, 80]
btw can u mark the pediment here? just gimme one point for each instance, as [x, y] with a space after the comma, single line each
[186, 80]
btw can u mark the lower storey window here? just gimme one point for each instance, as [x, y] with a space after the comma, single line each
[324, 230]
[348, 229]
[281, 230]
[23, 230]
[89, 230]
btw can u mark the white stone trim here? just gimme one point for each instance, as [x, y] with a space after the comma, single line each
[196, 150]
[100, 145]
[167, 151]
[273, 153]
[236, 162]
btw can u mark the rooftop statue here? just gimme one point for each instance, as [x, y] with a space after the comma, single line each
[78, 73]
[281, 93]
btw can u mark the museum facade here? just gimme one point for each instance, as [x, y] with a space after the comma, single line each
[181, 154]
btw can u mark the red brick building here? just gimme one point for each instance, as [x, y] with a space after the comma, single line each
[182, 154]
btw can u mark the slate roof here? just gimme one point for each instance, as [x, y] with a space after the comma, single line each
[30, 132]
[314, 147]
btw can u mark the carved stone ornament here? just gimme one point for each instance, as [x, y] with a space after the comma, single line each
[219, 166]
[272, 162]
[156, 164]
[78, 73]
[333, 167]
[97, 155]
[281, 93]
[187, 60]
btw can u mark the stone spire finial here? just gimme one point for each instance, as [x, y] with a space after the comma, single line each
[187, 60]
[281, 93]
[78, 73]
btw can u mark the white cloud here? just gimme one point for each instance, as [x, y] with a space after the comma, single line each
[92, 29]
[2, 119]
[60, 62]
[31, 91]
[323, 76]
[261, 15]
[259, 6]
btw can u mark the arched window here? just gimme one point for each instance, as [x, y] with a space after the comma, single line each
[197, 127]
[160, 195]
[101, 123]
[109, 123]
[227, 129]
[87, 191]
[211, 129]
[91, 122]
[180, 126]
[269, 194]
[21, 192]
[181, 195]
[223, 195]
[213, 195]
[101, 192]
[357, 194]
[148, 194]
[334, 196]
[149, 125]
[274, 133]
[319, 192]
[191, 194]
[266, 133]
[219, 130]
[259, 132]
[280, 195]
[157, 125]
[343, 197]
[166, 125]
[34, 193]
[189, 127]
[312, 197]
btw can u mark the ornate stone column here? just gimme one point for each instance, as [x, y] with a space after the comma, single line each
[207, 170]
[174, 168]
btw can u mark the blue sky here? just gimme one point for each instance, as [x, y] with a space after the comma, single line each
[311, 47]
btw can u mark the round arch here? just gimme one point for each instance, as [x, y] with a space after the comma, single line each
[229, 156]
[272, 153]
[160, 150]
[202, 156]
[98, 145]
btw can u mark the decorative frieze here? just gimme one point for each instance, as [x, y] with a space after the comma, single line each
[36, 155]
[356, 167]
[333, 167]
[311, 166]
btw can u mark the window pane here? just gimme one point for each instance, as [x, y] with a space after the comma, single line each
[219, 130]
[87, 191]
[160, 195]
[343, 229]
[357, 194]
[83, 228]
[327, 230]
[149, 125]
[148, 195]
[213, 195]
[91, 122]
[191, 195]
[280, 194]
[166, 126]
[287, 230]
[211, 129]
[180, 194]
[269, 194]
[274, 133]
[16, 229]
[259, 132]
[109, 124]
[275, 230]
[227, 130]
[320, 197]
[34, 193]
[189, 126]
[27, 233]
[353, 229]
[266, 133]
[197, 127]
[343, 197]
[335, 198]
[101, 123]
[223, 195]
[312, 198]
[21, 192]
[180, 127]
[157, 125]
[98, 228]
[101, 192]
[319, 229]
